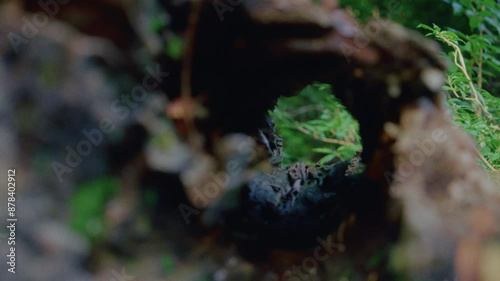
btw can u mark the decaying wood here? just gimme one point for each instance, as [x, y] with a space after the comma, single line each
[422, 189]
[449, 204]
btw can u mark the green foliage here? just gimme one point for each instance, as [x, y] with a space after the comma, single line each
[315, 126]
[408, 13]
[474, 64]
[316, 122]
[481, 47]
[88, 204]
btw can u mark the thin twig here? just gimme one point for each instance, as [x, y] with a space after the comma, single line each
[187, 63]
[460, 63]
[488, 164]
[327, 140]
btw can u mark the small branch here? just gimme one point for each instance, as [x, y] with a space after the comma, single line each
[187, 64]
[327, 140]
[450, 83]
[485, 161]
[304, 109]
[460, 63]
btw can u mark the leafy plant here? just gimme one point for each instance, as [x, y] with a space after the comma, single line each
[315, 121]
[407, 13]
[474, 63]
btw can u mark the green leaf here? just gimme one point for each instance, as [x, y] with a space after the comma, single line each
[474, 22]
